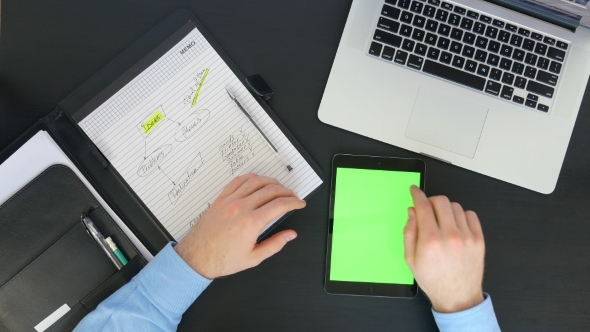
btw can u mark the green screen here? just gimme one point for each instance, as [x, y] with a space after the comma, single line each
[370, 213]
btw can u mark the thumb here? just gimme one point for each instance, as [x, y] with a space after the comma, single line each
[272, 245]
[410, 236]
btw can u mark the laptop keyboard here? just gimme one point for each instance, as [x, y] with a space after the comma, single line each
[471, 48]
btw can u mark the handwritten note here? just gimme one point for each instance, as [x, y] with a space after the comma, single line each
[193, 139]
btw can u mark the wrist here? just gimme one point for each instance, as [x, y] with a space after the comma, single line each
[456, 305]
[188, 256]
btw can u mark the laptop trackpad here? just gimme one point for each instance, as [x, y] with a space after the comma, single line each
[447, 122]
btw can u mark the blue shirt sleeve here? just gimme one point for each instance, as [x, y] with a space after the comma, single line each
[479, 318]
[154, 300]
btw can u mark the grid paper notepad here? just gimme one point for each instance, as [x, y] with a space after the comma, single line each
[177, 138]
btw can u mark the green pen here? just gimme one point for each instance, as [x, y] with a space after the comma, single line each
[116, 251]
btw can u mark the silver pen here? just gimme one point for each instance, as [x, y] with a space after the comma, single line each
[97, 235]
[233, 97]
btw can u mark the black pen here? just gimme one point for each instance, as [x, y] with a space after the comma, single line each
[233, 97]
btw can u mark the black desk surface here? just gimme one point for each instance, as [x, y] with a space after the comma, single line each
[538, 246]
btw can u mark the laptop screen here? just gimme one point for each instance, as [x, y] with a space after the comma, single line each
[570, 12]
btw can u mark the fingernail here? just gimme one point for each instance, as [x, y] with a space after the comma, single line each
[290, 237]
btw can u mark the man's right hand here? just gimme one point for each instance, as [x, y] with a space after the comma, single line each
[444, 248]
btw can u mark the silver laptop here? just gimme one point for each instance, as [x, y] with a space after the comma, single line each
[491, 86]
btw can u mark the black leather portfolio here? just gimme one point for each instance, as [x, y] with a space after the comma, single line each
[47, 257]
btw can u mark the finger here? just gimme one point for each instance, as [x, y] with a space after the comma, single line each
[276, 208]
[272, 245]
[267, 194]
[234, 184]
[443, 213]
[252, 185]
[410, 237]
[425, 220]
[460, 218]
[474, 224]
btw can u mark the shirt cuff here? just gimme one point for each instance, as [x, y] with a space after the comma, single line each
[170, 282]
[479, 318]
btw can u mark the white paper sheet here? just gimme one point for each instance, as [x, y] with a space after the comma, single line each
[35, 156]
[177, 138]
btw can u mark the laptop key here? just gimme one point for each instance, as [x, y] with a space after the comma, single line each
[433, 53]
[528, 44]
[493, 60]
[531, 59]
[481, 55]
[524, 32]
[493, 88]
[494, 46]
[545, 77]
[479, 28]
[549, 40]
[406, 17]
[454, 19]
[507, 78]
[543, 63]
[468, 38]
[456, 34]
[555, 67]
[419, 21]
[518, 54]
[530, 103]
[460, 10]
[431, 25]
[434, 2]
[416, 7]
[408, 45]
[468, 51]
[389, 25]
[555, 54]
[430, 39]
[391, 2]
[532, 97]
[516, 40]
[456, 47]
[511, 27]
[504, 36]
[491, 32]
[400, 57]
[447, 5]
[518, 100]
[466, 23]
[481, 42]
[375, 49]
[405, 30]
[540, 89]
[420, 49]
[517, 68]
[391, 12]
[540, 49]
[485, 18]
[520, 82]
[507, 92]
[537, 36]
[405, 4]
[498, 23]
[505, 64]
[388, 53]
[473, 15]
[530, 72]
[495, 74]
[443, 43]
[444, 29]
[561, 44]
[418, 35]
[442, 15]
[415, 62]
[387, 38]
[446, 57]
[483, 70]
[429, 11]
[470, 66]
[454, 75]
[506, 50]
[542, 108]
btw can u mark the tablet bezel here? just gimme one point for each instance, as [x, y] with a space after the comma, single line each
[376, 163]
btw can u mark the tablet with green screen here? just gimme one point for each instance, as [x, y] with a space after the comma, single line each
[369, 202]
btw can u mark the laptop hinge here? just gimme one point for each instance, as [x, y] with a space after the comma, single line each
[566, 21]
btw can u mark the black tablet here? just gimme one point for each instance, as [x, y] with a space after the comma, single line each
[369, 201]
